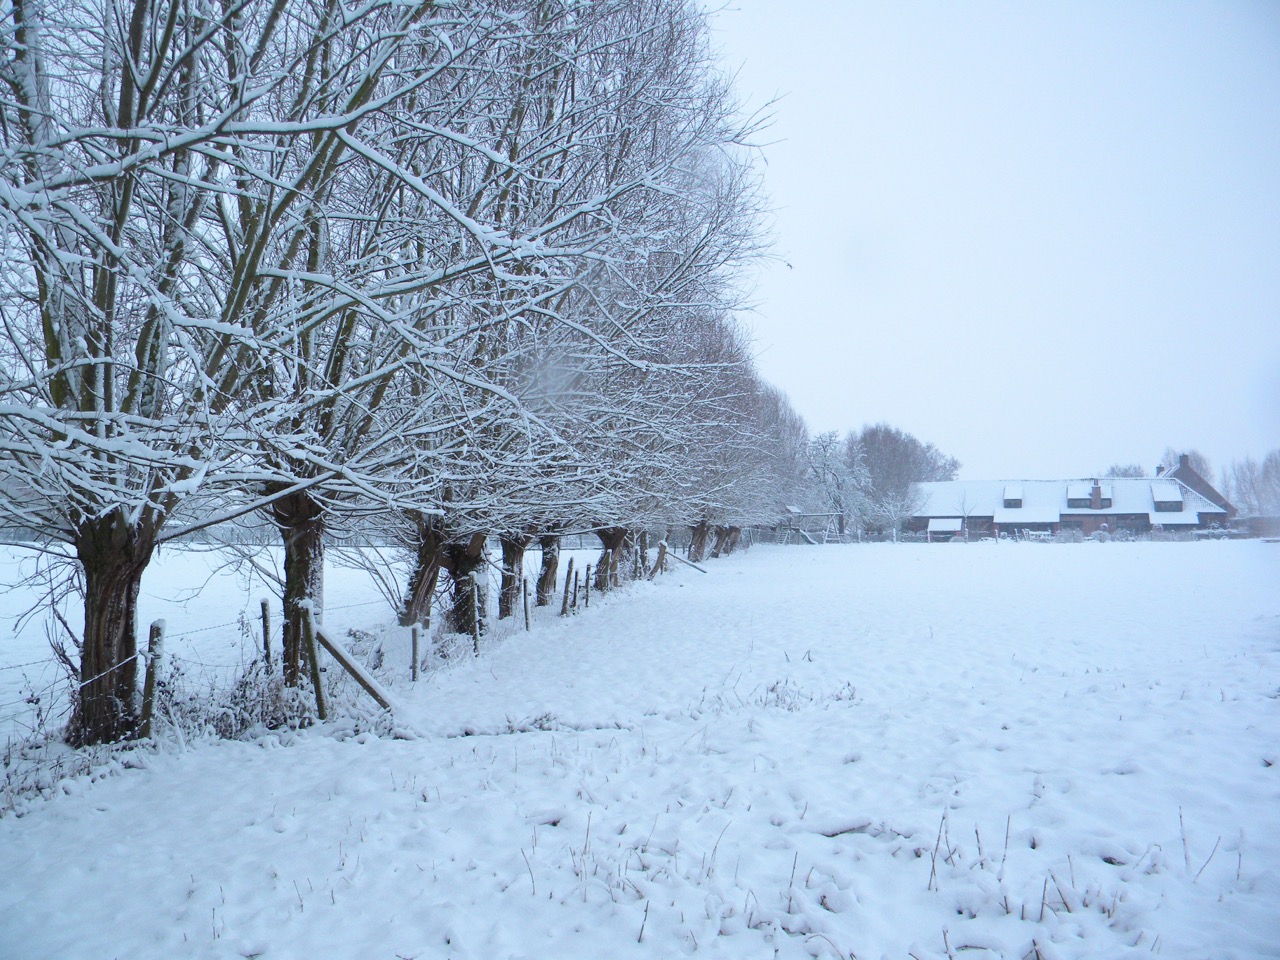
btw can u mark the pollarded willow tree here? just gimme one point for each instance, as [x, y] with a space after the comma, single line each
[115, 126]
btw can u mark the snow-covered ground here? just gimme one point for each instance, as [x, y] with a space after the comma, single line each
[988, 750]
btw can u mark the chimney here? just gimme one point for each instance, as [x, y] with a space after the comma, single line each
[1184, 462]
[1095, 496]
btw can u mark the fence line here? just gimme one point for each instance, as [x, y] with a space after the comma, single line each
[32, 663]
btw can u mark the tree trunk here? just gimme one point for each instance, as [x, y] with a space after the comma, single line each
[731, 542]
[550, 543]
[698, 540]
[513, 546]
[300, 519]
[616, 548]
[722, 537]
[113, 555]
[426, 570]
[462, 560]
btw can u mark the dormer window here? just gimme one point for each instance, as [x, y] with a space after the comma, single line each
[1078, 495]
[1088, 495]
[1167, 496]
[1013, 496]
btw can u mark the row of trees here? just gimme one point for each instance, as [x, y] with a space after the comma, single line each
[443, 271]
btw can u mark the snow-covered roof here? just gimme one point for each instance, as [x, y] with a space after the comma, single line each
[1166, 491]
[1045, 501]
[1041, 503]
[1083, 490]
[1013, 491]
[959, 498]
[1182, 519]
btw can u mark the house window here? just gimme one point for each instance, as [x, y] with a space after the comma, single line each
[1086, 503]
[1013, 496]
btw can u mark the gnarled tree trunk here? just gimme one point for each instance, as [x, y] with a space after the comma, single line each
[698, 540]
[513, 547]
[722, 538]
[616, 548]
[550, 544]
[113, 555]
[300, 519]
[426, 570]
[463, 560]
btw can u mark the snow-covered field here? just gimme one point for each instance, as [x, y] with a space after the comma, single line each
[989, 750]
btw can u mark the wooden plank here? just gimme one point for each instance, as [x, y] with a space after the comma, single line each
[688, 563]
[362, 677]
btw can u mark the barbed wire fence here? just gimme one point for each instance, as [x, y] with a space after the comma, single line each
[200, 692]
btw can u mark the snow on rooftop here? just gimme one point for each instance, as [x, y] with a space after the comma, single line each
[1079, 490]
[1045, 501]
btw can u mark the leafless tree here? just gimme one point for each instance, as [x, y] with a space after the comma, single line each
[892, 462]
[1253, 488]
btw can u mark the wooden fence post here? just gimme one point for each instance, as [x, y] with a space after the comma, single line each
[586, 586]
[524, 585]
[415, 632]
[475, 614]
[155, 648]
[568, 578]
[309, 640]
[266, 633]
[661, 560]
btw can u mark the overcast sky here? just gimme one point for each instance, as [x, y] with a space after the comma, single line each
[1043, 236]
